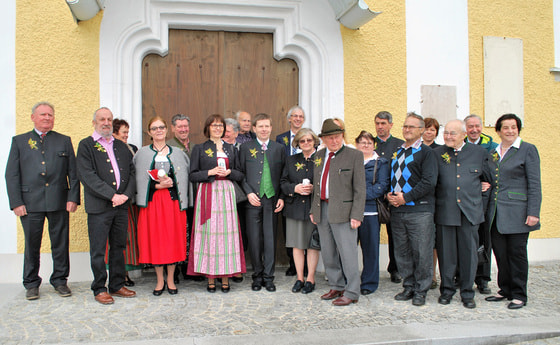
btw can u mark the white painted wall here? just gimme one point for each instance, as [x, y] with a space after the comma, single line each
[8, 234]
[437, 49]
[556, 16]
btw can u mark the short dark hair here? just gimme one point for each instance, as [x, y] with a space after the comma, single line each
[508, 117]
[178, 117]
[210, 120]
[366, 135]
[118, 123]
[431, 122]
[384, 115]
[261, 116]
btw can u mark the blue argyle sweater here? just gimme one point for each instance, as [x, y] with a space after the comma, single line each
[414, 172]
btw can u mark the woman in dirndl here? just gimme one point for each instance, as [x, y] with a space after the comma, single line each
[162, 194]
[216, 249]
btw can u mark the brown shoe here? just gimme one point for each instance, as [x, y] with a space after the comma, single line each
[332, 294]
[124, 292]
[104, 298]
[341, 301]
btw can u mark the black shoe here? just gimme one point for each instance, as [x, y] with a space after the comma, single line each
[128, 282]
[513, 305]
[297, 286]
[365, 292]
[308, 287]
[444, 299]
[237, 279]
[211, 287]
[291, 271]
[396, 277]
[469, 303]
[32, 293]
[225, 287]
[483, 288]
[256, 286]
[269, 286]
[172, 291]
[63, 290]
[418, 300]
[434, 285]
[494, 298]
[406, 295]
[159, 292]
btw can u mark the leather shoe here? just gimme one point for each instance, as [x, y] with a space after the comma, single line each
[128, 281]
[269, 286]
[343, 300]
[365, 292]
[124, 292]
[444, 299]
[256, 286]
[297, 286]
[32, 293]
[291, 271]
[406, 295]
[211, 287]
[104, 298]
[494, 298]
[469, 303]
[513, 305]
[63, 290]
[483, 288]
[172, 291]
[308, 287]
[237, 279]
[396, 277]
[332, 294]
[418, 300]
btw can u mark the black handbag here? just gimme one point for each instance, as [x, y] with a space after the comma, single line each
[383, 213]
[482, 255]
[314, 241]
[240, 195]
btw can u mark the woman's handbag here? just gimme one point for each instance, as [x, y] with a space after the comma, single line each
[383, 213]
[240, 195]
[314, 242]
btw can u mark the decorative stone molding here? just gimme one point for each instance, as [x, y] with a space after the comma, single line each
[303, 30]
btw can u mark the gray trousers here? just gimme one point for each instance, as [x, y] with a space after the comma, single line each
[339, 249]
[413, 237]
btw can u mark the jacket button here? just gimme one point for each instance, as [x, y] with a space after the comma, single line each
[43, 163]
[46, 184]
[111, 171]
[458, 176]
[459, 200]
[114, 183]
[458, 188]
[108, 160]
[458, 164]
[43, 174]
[303, 201]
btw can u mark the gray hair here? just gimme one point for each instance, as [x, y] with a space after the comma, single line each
[473, 116]
[37, 105]
[179, 117]
[233, 123]
[292, 109]
[95, 112]
[237, 113]
[303, 132]
[384, 115]
[416, 116]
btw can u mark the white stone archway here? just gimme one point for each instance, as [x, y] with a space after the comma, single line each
[303, 30]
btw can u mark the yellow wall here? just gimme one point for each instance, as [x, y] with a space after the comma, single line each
[57, 61]
[530, 21]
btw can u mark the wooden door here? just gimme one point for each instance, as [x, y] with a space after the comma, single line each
[217, 72]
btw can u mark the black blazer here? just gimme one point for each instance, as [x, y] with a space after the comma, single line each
[458, 188]
[284, 140]
[203, 158]
[96, 174]
[42, 175]
[251, 159]
[296, 206]
[386, 149]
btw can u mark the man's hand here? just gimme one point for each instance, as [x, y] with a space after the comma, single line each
[531, 220]
[279, 206]
[71, 206]
[312, 220]
[20, 211]
[396, 199]
[485, 186]
[119, 199]
[254, 199]
[354, 224]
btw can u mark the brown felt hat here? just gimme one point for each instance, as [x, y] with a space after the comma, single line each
[330, 127]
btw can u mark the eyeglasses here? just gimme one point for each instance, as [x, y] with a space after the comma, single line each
[450, 133]
[161, 128]
[410, 127]
[365, 143]
[217, 125]
[303, 141]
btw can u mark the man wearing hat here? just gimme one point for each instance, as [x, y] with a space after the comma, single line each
[338, 209]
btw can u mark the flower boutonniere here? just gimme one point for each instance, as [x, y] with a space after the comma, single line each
[286, 141]
[446, 158]
[299, 166]
[32, 144]
[495, 157]
[99, 147]
[317, 161]
[253, 153]
[209, 152]
[394, 156]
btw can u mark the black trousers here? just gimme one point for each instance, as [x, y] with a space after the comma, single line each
[392, 267]
[110, 225]
[58, 232]
[484, 269]
[261, 235]
[513, 266]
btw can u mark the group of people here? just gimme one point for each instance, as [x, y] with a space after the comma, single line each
[198, 208]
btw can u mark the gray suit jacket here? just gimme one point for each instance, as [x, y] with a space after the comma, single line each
[516, 190]
[347, 186]
[251, 160]
[458, 188]
[42, 176]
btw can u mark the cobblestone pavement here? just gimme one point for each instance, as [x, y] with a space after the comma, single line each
[196, 316]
